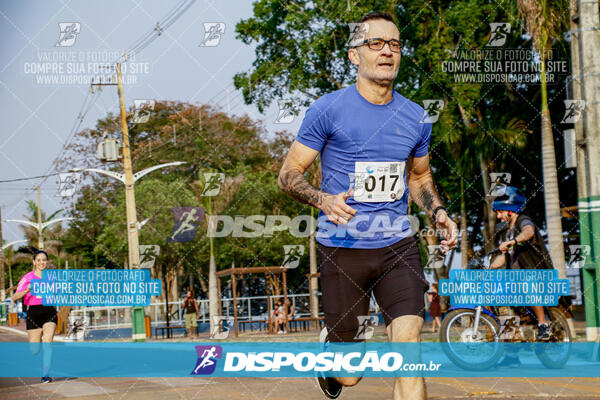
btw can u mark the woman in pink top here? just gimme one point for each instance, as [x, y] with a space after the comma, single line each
[41, 320]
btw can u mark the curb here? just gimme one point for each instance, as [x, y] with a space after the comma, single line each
[23, 333]
[13, 330]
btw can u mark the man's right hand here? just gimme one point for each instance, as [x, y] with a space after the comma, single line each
[335, 207]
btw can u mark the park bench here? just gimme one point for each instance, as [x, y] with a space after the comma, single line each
[304, 323]
[169, 328]
[263, 324]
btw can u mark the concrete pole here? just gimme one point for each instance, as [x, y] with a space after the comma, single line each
[585, 51]
[132, 230]
[138, 332]
[2, 277]
[39, 220]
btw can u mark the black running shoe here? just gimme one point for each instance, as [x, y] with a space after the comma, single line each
[543, 332]
[46, 379]
[329, 386]
[509, 361]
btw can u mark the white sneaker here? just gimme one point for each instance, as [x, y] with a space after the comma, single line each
[280, 332]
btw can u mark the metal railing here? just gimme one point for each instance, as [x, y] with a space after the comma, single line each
[249, 309]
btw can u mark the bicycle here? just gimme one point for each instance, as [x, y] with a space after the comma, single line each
[466, 325]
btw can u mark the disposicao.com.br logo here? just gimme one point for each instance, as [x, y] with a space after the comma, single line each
[323, 362]
[267, 363]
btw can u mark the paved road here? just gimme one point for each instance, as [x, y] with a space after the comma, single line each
[7, 336]
[286, 388]
[291, 388]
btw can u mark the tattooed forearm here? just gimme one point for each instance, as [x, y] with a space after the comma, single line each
[293, 183]
[425, 194]
[426, 199]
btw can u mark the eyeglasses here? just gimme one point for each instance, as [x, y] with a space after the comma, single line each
[378, 44]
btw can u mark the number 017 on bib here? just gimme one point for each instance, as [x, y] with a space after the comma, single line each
[378, 181]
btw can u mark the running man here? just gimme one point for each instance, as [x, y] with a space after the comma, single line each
[369, 135]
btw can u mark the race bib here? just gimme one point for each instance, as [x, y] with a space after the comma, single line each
[381, 181]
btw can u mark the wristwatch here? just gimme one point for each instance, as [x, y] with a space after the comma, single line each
[435, 211]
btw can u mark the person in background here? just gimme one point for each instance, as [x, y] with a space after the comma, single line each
[275, 316]
[41, 319]
[287, 315]
[191, 313]
[435, 310]
[281, 317]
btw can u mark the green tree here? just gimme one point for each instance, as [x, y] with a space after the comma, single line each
[301, 53]
[207, 140]
[215, 205]
[545, 21]
[13, 258]
[155, 199]
[52, 236]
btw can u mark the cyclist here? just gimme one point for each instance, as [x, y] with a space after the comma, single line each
[522, 244]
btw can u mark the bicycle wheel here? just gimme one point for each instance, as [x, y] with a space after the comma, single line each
[556, 353]
[469, 348]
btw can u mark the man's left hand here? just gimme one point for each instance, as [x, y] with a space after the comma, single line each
[449, 230]
[505, 246]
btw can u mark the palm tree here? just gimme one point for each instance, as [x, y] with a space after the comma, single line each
[544, 20]
[215, 205]
[51, 236]
[474, 154]
[12, 257]
[32, 234]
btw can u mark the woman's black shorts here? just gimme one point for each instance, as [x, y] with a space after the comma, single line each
[348, 276]
[38, 315]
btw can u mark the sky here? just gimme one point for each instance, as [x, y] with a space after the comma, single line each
[39, 114]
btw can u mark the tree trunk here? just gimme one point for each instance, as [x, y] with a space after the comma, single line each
[551, 194]
[489, 219]
[464, 241]
[166, 291]
[175, 286]
[314, 281]
[213, 297]
[203, 285]
[273, 282]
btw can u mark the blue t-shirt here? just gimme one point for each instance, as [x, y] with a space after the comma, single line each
[345, 128]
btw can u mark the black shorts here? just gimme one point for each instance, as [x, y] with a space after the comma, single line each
[38, 315]
[348, 276]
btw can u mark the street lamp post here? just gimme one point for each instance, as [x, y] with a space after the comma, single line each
[39, 226]
[133, 226]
